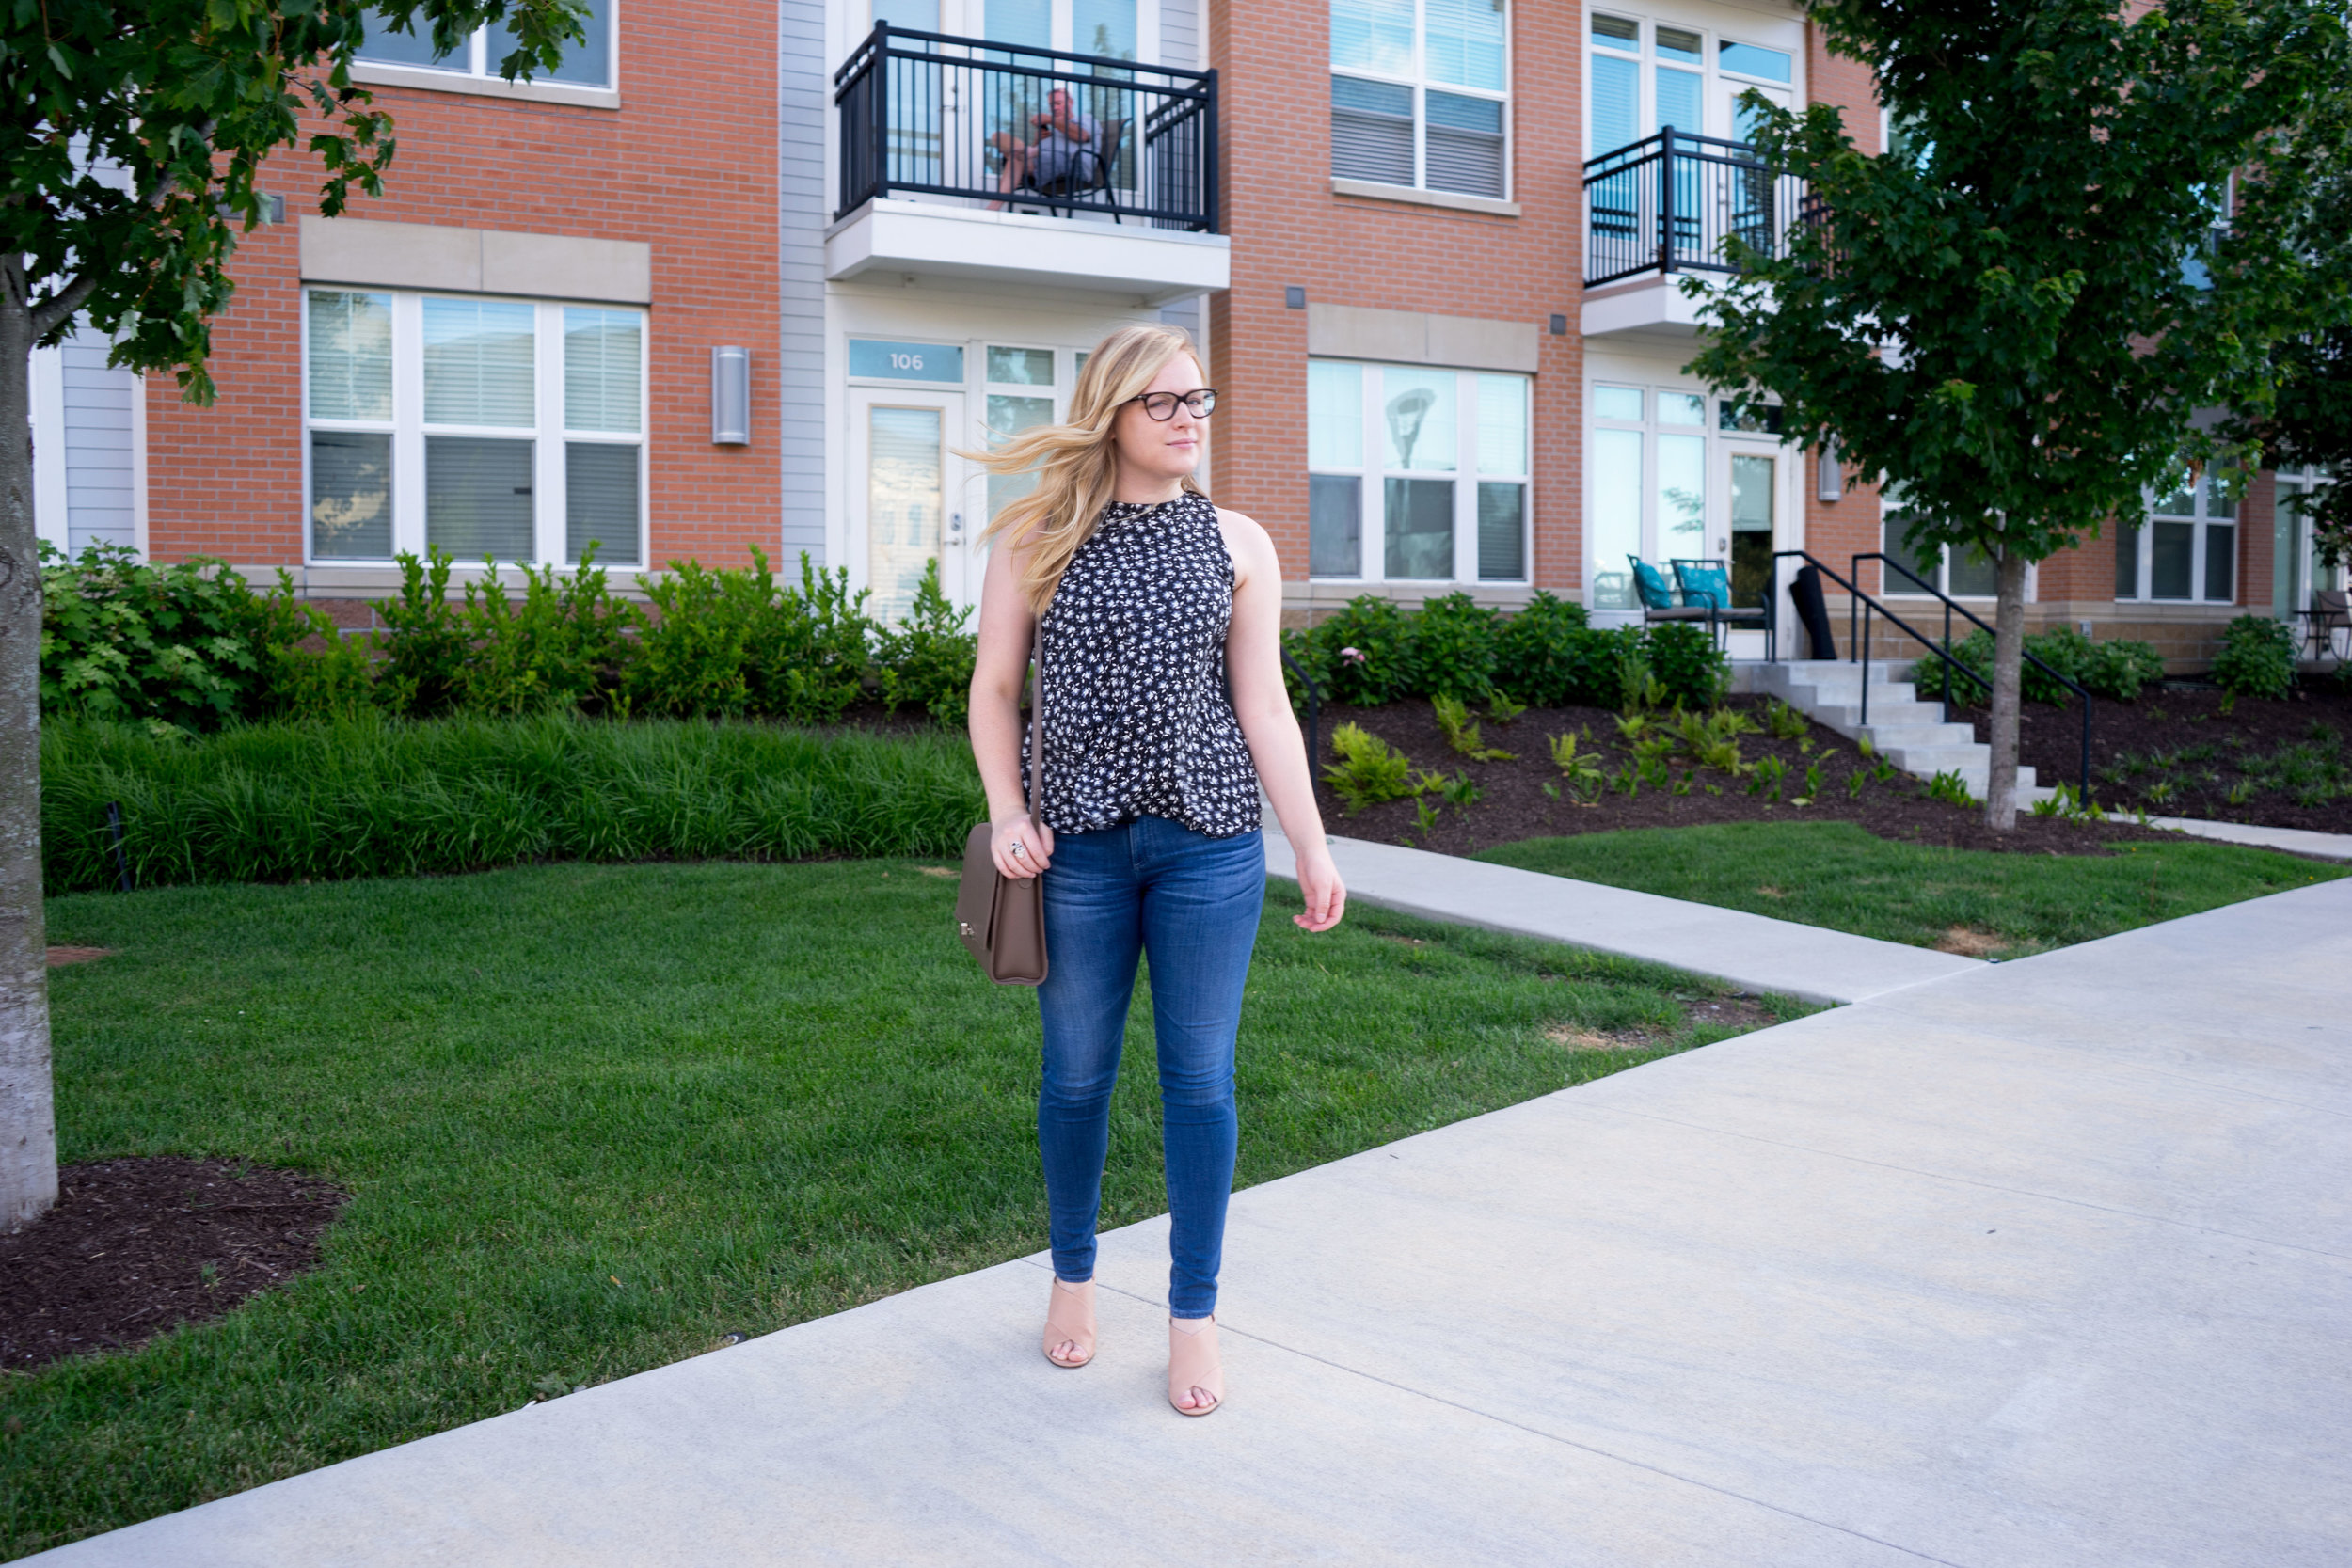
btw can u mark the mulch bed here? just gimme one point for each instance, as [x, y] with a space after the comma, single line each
[1512, 804]
[137, 1246]
[2177, 718]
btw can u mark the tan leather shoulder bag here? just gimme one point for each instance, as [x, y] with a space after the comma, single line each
[1001, 918]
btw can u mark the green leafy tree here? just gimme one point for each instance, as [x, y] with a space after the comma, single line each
[2020, 315]
[128, 164]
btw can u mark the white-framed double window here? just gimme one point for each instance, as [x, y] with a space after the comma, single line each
[1417, 474]
[1644, 75]
[2187, 550]
[587, 62]
[510, 430]
[1962, 571]
[1420, 94]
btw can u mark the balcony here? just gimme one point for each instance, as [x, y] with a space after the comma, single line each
[939, 174]
[1666, 207]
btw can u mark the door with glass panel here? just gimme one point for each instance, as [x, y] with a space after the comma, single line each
[907, 506]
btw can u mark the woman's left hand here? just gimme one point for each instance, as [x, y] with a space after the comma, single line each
[1319, 883]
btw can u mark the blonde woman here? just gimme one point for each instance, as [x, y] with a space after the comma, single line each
[1165, 712]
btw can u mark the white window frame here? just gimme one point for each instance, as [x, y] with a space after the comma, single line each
[1423, 85]
[1466, 476]
[1711, 70]
[2143, 533]
[548, 432]
[1897, 587]
[480, 73]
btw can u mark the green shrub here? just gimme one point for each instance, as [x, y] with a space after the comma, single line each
[2257, 659]
[1454, 648]
[2119, 669]
[425, 643]
[562, 648]
[1534, 657]
[122, 641]
[1362, 654]
[1687, 664]
[369, 796]
[927, 661]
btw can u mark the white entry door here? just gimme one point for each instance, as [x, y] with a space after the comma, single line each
[907, 503]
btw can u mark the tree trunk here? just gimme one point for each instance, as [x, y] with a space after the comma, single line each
[28, 1134]
[2009, 657]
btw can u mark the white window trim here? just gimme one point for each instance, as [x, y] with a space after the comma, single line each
[1423, 85]
[481, 77]
[1709, 69]
[2144, 532]
[1466, 477]
[547, 433]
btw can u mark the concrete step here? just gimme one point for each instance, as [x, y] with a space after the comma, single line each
[1890, 738]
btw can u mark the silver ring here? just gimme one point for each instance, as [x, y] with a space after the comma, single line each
[1019, 848]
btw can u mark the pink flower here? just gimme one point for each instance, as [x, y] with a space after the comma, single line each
[1354, 656]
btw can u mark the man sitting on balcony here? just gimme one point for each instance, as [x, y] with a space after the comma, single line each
[1056, 163]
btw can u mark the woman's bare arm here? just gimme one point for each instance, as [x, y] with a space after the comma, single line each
[998, 677]
[1254, 657]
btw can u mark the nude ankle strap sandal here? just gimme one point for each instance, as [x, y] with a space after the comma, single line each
[1069, 1321]
[1194, 1366]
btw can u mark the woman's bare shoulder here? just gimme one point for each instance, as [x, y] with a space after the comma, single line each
[1240, 527]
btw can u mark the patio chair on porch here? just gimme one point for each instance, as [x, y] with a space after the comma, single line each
[1090, 173]
[2330, 613]
[1709, 583]
[1661, 602]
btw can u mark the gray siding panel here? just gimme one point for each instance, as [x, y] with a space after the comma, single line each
[1185, 313]
[98, 480]
[804, 82]
[1180, 33]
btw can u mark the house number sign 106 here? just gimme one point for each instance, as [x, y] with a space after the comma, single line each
[877, 358]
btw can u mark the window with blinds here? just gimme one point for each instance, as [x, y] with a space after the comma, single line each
[1417, 473]
[492, 429]
[1420, 94]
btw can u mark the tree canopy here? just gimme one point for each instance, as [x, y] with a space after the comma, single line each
[2096, 228]
[135, 133]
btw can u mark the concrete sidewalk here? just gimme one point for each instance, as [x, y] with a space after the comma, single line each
[2043, 1263]
[1753, 951]
[2299, 841]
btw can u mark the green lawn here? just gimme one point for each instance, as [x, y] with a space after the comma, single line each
[749, 1094]
[1833, 873]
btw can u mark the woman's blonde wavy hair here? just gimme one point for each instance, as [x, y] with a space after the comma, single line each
[1076, 463]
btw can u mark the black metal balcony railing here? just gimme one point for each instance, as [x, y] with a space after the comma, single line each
[1669, 202]
[935, 115]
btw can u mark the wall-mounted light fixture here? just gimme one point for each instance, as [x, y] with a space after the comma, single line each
[730, 397]
[1830, 480]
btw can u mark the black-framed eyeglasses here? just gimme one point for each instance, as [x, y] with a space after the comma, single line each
[1200, 403]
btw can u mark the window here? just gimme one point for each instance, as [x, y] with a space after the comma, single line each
[587, 63]
[1668, 482]
[2188, 549]
[1417, 474]
[1419, 93]
[503, 429]
[1020, 397]
[1644, 76]
[1964, 572]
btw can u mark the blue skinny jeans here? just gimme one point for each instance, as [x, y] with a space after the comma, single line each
[1191, 903]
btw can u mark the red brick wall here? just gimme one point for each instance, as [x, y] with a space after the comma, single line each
[1288, 228]
[687, 165]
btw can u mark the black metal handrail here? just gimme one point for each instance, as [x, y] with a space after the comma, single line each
[1315, 711]
[1669, 202]
[933, 114]
[1860, 607]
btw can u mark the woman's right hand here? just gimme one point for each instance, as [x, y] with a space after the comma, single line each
[1023, 847]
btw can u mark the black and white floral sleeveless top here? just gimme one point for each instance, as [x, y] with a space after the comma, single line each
[1138, 721]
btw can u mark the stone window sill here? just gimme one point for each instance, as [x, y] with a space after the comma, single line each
[485, 86]
[1414, 197]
